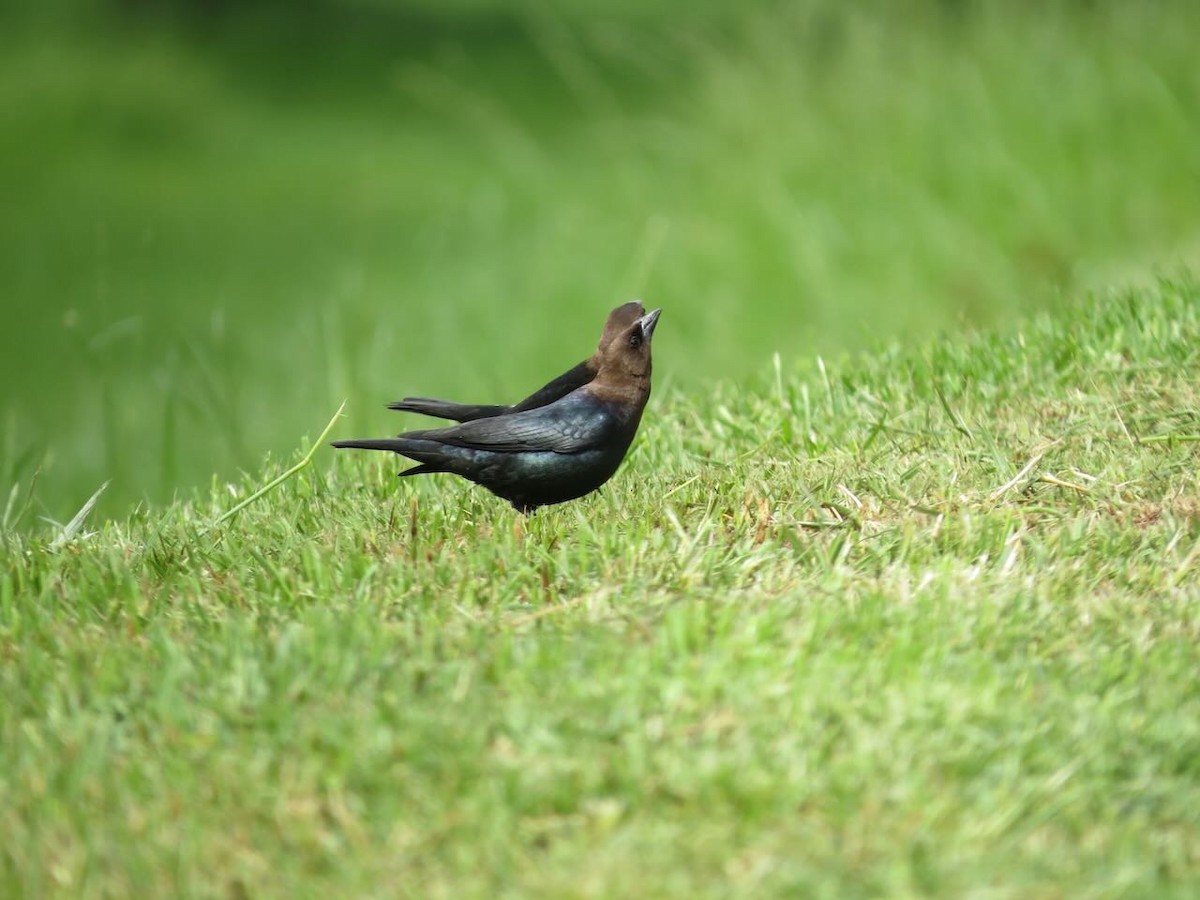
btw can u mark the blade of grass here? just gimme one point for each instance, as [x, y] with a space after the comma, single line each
[71, 529]
[280, 479]
[955, 418]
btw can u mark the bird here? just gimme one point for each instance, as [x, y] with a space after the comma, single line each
[553, 453]
[618, 320]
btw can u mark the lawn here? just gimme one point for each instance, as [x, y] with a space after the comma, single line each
[921, 622]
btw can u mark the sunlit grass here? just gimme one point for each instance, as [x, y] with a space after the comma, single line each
[916, 622]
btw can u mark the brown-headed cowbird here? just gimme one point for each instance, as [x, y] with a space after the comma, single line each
[618, 320]
[551, 454]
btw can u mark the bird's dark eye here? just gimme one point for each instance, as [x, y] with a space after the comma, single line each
[635, 339]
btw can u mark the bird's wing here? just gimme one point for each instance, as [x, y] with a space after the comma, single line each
[568, 381]
[563, 427]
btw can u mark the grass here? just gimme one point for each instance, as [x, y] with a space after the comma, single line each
[916, 622]
[216, 231]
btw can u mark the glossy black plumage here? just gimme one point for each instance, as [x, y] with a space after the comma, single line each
[555, 452]
[573, 379]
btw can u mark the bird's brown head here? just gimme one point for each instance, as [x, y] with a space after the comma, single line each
[618, 320]
[625, 363]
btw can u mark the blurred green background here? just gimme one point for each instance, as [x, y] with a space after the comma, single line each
[221, 219]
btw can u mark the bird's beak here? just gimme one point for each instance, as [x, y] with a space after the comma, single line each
[648, 321]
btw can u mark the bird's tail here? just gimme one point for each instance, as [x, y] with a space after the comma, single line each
[396, 445]
[444, 409]
[430, 454]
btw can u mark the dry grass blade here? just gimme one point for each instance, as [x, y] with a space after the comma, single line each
[71, 530]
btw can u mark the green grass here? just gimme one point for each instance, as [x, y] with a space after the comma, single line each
[919, 622]
[216, 231]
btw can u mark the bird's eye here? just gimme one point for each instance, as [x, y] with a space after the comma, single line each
[635, 339]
